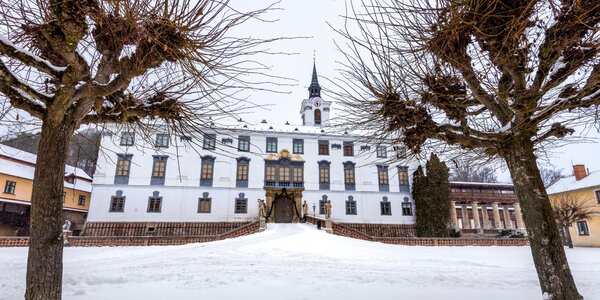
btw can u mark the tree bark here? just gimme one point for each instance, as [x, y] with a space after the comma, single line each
[544, 239]
[44, 263]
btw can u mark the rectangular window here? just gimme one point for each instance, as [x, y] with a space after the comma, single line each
[582, 228]
[349, 176]
[244, 143]
[242, 172]
[241, 206]
[117, 204]
[298, 146]
[403, 178]
[270, 173]
[9, 187]
[386, 208]
[127, 139]
[204, 205]
[159, 166]
[348, 149]
[324, 174]
[298, 174]
[162, 140]
[271, 145]
[154, 204]
[81, 200]
[406, 209]
[210, 142]
[382, 174]
[207, 170]
[598, 196]
[322, 204]
[123, 165]
[351, 207]
[284, 174]
[381, 152]
[323, 147]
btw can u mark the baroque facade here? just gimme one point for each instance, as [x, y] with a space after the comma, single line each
[220, 176]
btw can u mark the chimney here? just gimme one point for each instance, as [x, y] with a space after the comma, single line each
[579, 171]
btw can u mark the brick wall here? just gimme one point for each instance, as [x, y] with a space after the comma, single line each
[99, 241]
[344, 230]
[170, 229]
[383, 230]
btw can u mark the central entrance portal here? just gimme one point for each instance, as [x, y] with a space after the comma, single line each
[284, 209]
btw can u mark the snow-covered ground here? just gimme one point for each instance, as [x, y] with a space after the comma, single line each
[296, 261]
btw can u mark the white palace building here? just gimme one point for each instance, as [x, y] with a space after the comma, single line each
[221, 175]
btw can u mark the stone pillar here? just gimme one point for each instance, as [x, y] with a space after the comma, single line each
[453, 217]
[475, 210]
[497, 223]
[66, 235]
[328, 226]
[486, 217]
[507, 220]
[262, 225]
[465, 216]
[519, 217]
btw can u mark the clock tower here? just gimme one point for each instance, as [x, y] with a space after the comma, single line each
[314, 110]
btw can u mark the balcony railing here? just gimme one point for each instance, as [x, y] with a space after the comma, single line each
[284, 184]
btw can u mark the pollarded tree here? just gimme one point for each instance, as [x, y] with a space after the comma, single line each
[70, 63]
[466, 171]
[501, 78]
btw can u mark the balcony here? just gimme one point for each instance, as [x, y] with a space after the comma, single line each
[284, 184]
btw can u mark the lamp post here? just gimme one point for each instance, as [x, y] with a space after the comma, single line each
[314, 209]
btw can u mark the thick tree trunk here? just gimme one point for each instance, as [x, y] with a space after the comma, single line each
[44, 263]
[544, 239]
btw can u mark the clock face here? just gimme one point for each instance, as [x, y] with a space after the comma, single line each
[317, 104]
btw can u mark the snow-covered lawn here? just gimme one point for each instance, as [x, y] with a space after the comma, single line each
[296, 261]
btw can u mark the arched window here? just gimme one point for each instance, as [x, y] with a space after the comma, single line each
[317, 116]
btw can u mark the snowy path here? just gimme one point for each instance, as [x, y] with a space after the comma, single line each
[296, 261]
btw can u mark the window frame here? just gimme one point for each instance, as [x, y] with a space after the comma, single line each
[79, 202]
[322, 204]
[122, 174]
[162, 140]
[323, 147]
[209, 141]
[154, 203]
[386, 207]
[130, 141]
[381, 152]
[407, 205]
[349, 176]
[324, 173]
[318, 116]
[159, 169]
[241, 178]
[297, 146]
[118, 196]
[583, 231]
[10, 187]
[241, 204]
[271, 145]
[351, 206]
[348, 148]
[204, 198]
[244, 143]
[403, 179]
[207, 162]
[383, 178]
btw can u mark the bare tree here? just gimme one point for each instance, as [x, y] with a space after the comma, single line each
[71, 63]
[550, 176]
[501, 79]
[570, 209]
[468, 172]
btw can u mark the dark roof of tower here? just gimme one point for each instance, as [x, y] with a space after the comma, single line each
[314, 90]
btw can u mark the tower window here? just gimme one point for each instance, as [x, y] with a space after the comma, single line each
[317, 116]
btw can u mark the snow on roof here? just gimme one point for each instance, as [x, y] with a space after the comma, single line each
[570, 184]
[289, 128]
[31, 158]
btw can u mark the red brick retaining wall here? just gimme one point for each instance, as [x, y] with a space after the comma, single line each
[98, 241]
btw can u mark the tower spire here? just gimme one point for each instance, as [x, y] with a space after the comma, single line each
[314, 90]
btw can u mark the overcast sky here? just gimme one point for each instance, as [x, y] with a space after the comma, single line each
[310, 18]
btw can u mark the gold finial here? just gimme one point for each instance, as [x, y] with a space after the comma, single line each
[314, 56]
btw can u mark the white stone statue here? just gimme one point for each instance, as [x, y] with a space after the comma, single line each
[66, 226]
[262, 207]
[304, 209]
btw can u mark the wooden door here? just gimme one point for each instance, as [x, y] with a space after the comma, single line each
[284, 210]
